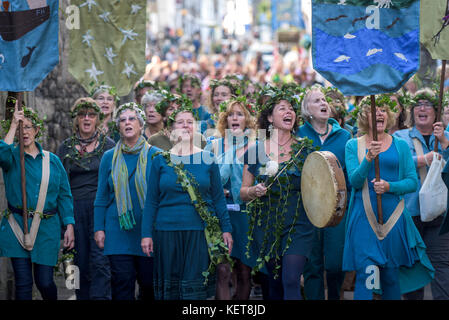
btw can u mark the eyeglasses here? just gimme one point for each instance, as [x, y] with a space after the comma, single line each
[28, 128]
[130, 119]
[82, 115]
[424, 104]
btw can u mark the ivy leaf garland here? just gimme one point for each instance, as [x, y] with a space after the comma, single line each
[218, 251]
[269, 212]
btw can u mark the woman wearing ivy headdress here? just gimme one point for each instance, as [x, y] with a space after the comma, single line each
[49, 204]
[403, 100]
[154, 120]
[327, 252]
[220, 91]
[122, 187]
[237, 127]
[185, 221]
[190, 85]
[389, 256]
[280, 234]
[169, 104]
[81, 155]
[421, 137]
[142, 87]
[106, 98]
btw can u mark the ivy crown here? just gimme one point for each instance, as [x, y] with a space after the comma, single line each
[224, 82]
[242, 100]
[170, 98]
[429, 96]
[131, 106]
[105, 88]
[29, 114]
[194, 80]
[275, 95]
[87, 105]
[186, 107]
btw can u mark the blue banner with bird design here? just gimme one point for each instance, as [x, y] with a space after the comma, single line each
[28, 43]
[366, 47]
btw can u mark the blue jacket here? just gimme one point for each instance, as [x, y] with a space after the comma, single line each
[412, 199]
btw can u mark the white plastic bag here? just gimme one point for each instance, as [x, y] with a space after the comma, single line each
[433, 193]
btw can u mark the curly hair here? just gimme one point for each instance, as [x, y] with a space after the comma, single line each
[263, 123]
[222, 123]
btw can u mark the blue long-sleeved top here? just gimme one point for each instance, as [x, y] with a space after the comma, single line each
[412, 199]
[335, 142]
[169, 208]
[357, 173]
[118, 241]
[59, 198]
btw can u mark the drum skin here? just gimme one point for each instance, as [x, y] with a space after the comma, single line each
[323, 189]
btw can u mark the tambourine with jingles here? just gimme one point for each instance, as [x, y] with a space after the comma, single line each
[323, 189]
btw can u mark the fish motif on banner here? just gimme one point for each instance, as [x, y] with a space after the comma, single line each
[28, 43]
[366, 47]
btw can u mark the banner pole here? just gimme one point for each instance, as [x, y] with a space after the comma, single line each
[22, 167]
[440, 102]
[376, 159]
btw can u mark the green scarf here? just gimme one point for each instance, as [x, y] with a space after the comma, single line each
[120, 178]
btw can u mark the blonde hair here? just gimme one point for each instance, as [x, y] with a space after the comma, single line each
[222, 123]
[365, 110]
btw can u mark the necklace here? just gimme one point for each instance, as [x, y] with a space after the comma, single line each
[281, 146]
[326, 132]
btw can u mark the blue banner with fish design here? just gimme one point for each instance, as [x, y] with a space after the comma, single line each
[366, 47]
[28, 43]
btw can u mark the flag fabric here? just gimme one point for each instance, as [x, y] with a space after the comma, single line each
[109, 46]
[28, 43]
[435, 27]
[366, 47]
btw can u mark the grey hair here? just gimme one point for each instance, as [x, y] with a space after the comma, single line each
[305, 113]
[101, 89]
[150, 97]
[133, 107]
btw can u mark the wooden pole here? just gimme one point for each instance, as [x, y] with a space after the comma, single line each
[376, 159]
[440, 102]
[22, 167]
